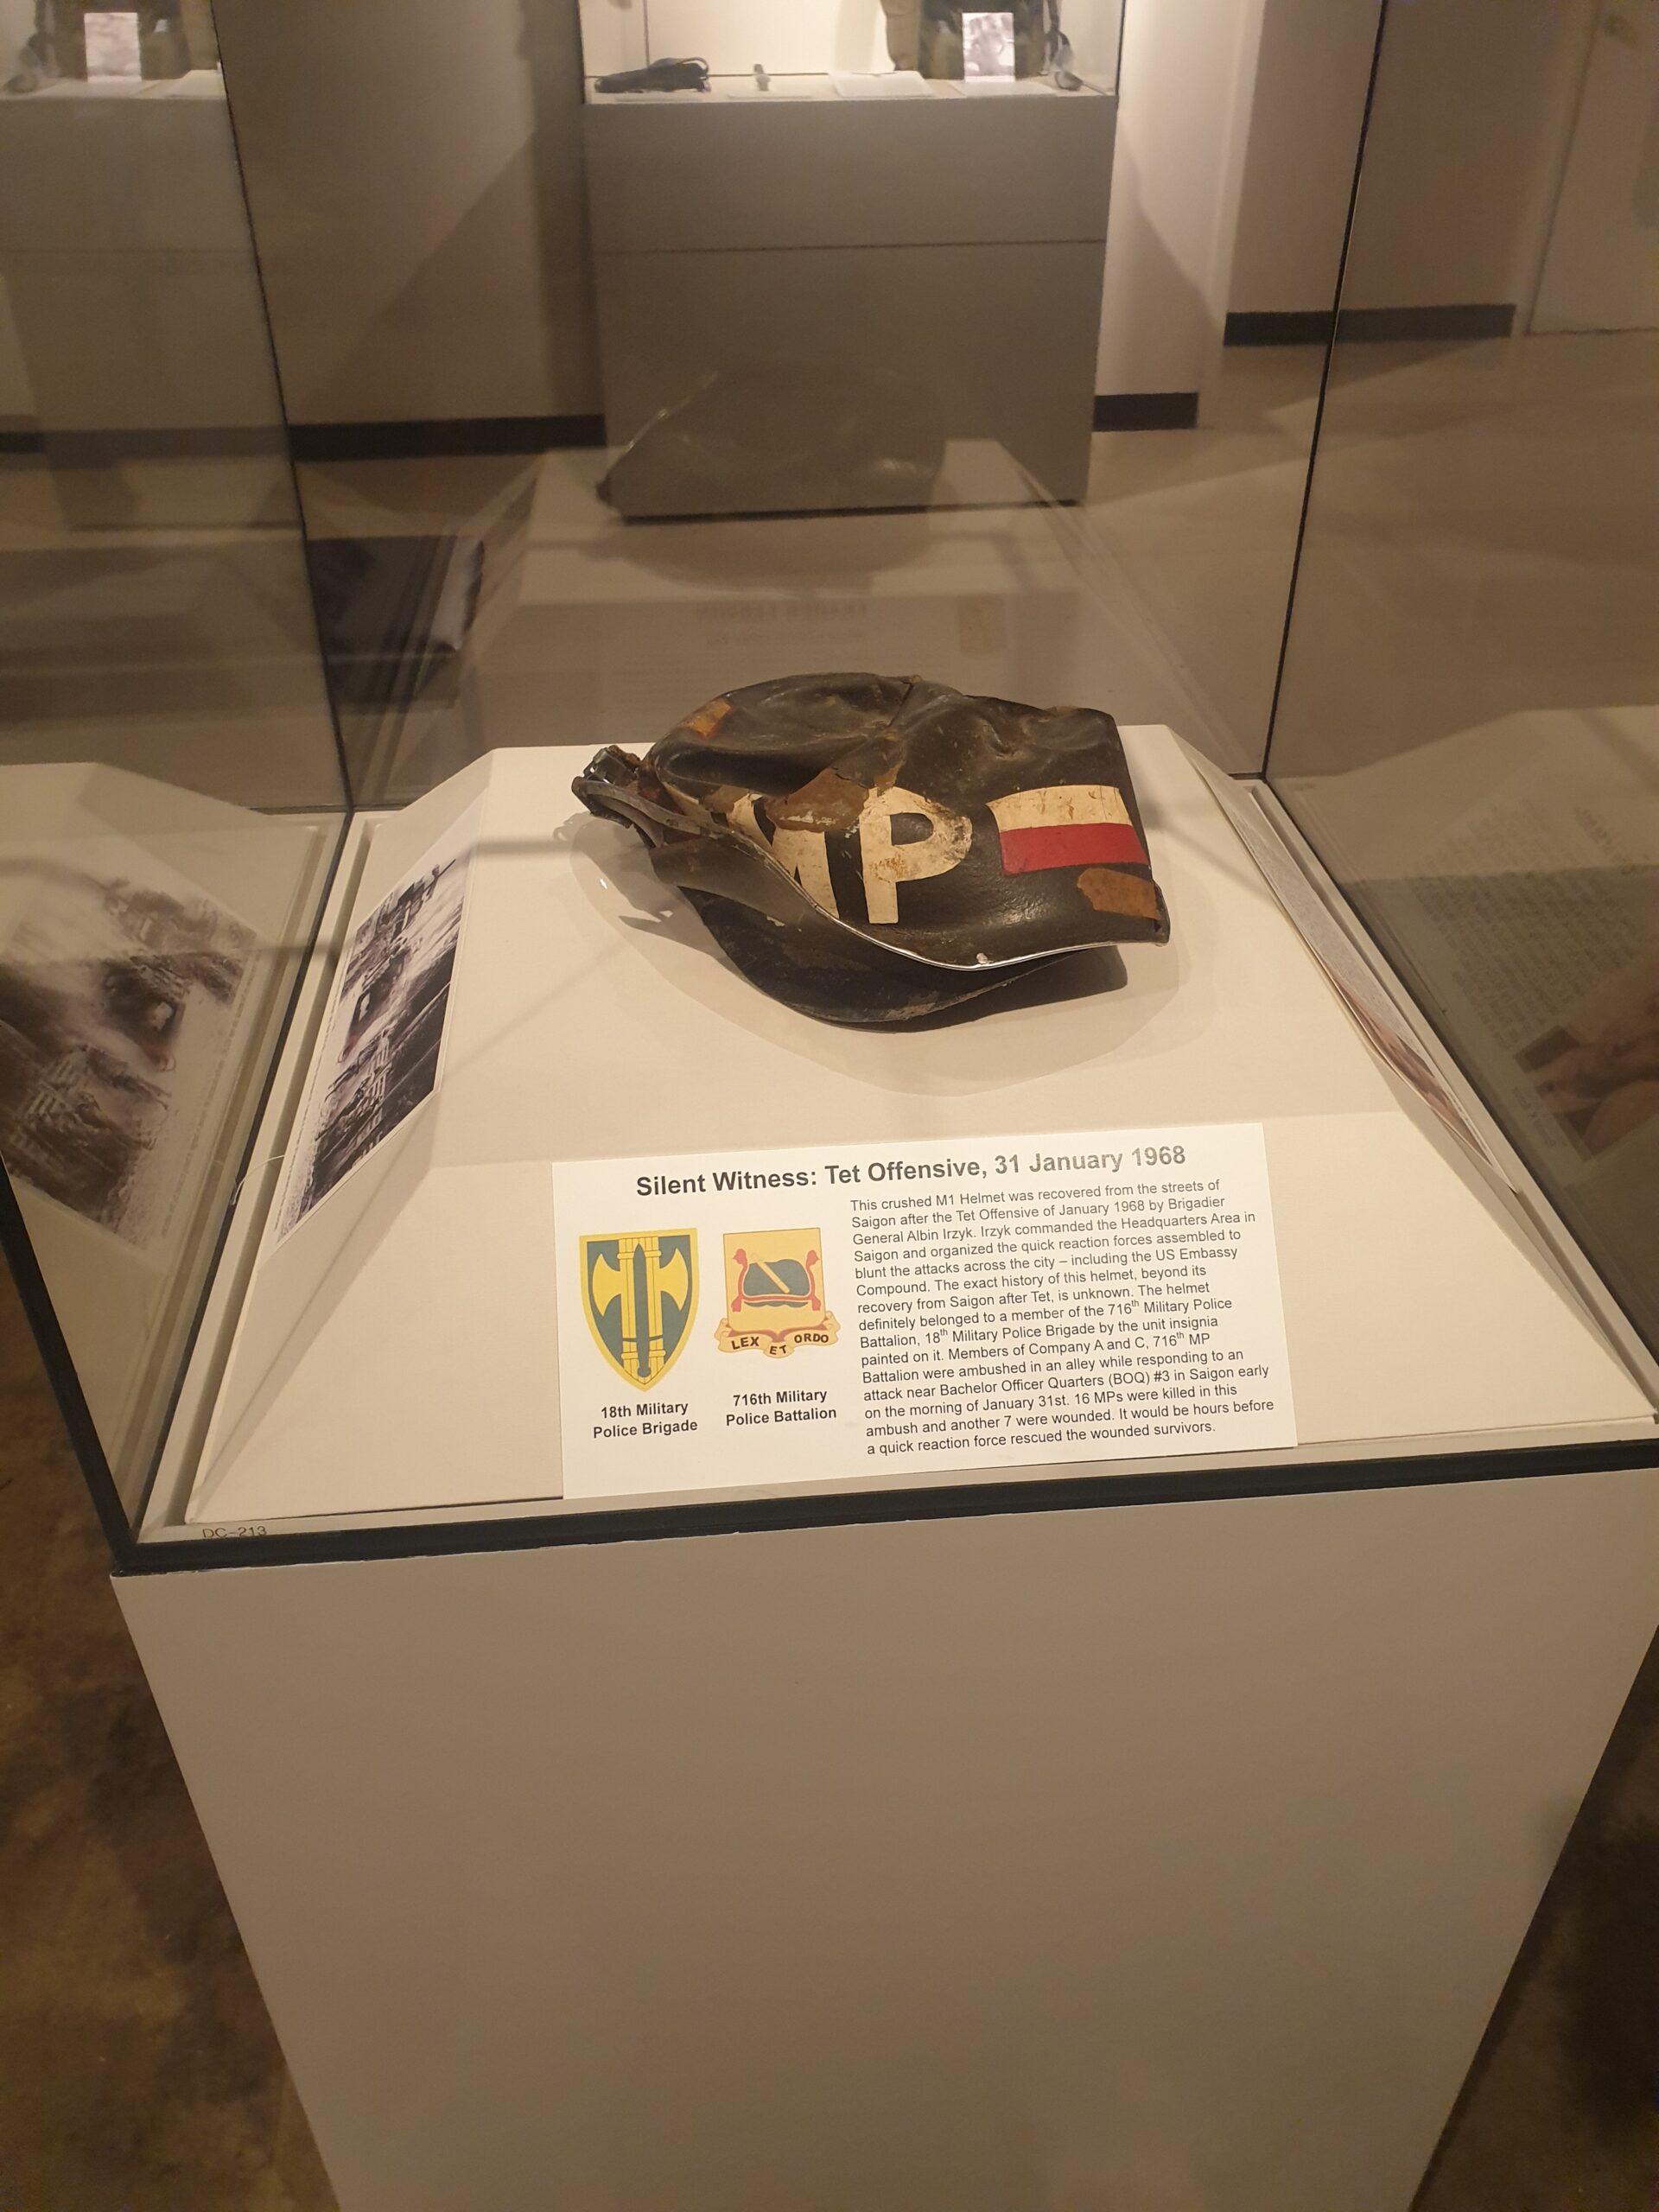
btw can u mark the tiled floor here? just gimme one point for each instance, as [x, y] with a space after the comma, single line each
[1561, 2110]
[156, 614]
[1482, 541]
[138, 2072]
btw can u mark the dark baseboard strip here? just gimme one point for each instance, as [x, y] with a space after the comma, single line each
[1459, 323]
[482, 434]
[106, 449]
[1146, 410]
[99, 449]
[529, 433]
[1312, 328]
[526, 433]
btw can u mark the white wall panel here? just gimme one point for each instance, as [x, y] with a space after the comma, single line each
[1299, 171]
[1184, 97]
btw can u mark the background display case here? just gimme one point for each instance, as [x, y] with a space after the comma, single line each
[826, 283]
[765, 1808]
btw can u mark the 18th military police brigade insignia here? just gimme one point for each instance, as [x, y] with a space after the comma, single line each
[639, 1293]
[774, 1293]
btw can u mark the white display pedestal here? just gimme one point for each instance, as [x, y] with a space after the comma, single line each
[1165, 1856]
[1159, 1838]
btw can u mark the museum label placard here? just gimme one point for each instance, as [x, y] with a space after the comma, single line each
[742, 1321]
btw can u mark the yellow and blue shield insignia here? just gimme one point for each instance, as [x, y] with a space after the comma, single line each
[639, 1293]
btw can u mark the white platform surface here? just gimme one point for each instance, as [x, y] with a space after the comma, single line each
[396, 1353]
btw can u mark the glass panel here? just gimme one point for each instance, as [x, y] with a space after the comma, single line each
[612, 399]
[1467, 729]
[740, 344]
[170, 788]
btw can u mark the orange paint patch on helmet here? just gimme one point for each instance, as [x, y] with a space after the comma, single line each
[708, 719]
[1114, 891]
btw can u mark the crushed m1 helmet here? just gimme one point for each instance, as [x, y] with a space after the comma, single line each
[874, 849]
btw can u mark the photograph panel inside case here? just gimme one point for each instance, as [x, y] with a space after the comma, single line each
[384, 1040]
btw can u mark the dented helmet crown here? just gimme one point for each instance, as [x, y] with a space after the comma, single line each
[874, 849]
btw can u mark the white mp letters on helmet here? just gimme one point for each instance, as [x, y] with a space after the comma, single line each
[884, 865]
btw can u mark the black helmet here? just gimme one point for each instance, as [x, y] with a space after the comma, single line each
[875, 849]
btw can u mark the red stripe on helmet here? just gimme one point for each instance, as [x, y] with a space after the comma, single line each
[1070, 844]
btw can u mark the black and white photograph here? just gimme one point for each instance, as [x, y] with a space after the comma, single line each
[987, 44]
[119, 1000]
[384, 1041]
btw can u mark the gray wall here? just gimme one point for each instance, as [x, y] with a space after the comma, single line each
[1311, 79]
[1490, 86]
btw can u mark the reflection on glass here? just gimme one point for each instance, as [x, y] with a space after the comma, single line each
[170, 784]
[1468, 729]
[835, 356]
[133, 38]
[824, 359]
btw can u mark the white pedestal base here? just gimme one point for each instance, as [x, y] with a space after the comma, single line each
[1166, 1856]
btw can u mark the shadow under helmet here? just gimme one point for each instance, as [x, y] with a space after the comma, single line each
[874, 849]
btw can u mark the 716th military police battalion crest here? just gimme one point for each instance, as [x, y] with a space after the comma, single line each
[639, 1293]
[774, 1293]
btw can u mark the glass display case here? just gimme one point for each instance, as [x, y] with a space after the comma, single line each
[140, 41]
[306, 1221]
[173, 797]
[747, 47]
[454, 1161]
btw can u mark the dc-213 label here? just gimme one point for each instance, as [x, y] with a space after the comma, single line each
[864, 1313]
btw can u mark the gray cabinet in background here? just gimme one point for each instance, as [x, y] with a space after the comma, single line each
[811, 302]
